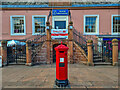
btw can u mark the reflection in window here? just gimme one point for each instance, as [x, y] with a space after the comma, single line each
[116, 24]
[90, 24]
[18, 25]
[39, 24]
[60, 24]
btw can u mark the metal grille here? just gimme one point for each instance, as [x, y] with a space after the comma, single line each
[16, 53]
[107, 51]
[80, 40]
[36, 45]
[102, 51]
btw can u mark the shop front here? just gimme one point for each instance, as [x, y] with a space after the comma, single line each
[107, 46]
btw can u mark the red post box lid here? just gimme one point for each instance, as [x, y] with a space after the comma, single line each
[61, 47]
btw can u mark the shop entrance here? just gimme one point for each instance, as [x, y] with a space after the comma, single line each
[54, 52]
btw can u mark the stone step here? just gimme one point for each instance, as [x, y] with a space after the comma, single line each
[95, 54]
[95, 57]
[40, 62]
[102, 63]
[98, 60]
[20, 59]
[83, 62]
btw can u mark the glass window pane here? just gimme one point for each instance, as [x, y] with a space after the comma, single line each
[39, 24]
[90, 24]
[116, 24]
[18, 25]
[60, 24]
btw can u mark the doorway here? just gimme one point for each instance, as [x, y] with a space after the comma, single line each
[60, 22]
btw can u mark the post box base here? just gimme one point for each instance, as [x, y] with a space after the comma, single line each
[61, 83]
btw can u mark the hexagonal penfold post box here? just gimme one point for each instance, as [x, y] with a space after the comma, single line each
[61, 66]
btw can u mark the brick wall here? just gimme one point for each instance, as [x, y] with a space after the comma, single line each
[79, 55]
[42, 54]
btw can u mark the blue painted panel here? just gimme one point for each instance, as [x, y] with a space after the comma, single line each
[44, 6]
[110, 39]
[60, 12]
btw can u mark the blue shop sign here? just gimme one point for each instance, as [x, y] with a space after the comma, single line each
[60, 12]
[110, 39]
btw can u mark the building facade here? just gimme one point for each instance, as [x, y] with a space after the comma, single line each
[97, 22]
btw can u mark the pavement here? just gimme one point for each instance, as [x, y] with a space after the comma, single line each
[43, 76]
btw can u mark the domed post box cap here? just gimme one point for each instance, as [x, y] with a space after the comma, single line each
[61, 47]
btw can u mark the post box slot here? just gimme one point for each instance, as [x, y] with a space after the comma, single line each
[61, 64]
[61, 51]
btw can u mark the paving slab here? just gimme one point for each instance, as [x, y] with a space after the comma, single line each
[43, 76]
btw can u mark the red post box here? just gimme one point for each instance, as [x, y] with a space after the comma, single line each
[61, 65]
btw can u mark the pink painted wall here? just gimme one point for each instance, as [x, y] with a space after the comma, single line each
[0, 24]
[0, 51]
[104, 18]
[6, 30]
[77, 17]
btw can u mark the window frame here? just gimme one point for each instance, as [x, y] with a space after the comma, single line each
[11, 21]
[33, 24]
[112, 25]
[97, 25]
[59, 18]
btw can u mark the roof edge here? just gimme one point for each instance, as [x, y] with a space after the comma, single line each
[47, 6]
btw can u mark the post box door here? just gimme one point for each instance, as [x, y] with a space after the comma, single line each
[62, 66]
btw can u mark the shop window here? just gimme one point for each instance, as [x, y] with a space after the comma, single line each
[39, 24]
[91, 24]
[18, 25]
[116, 24]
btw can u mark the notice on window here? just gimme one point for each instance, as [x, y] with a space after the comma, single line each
[61, 59]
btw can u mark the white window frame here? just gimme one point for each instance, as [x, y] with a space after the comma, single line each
[112, 25]
[97, 25]
[33, 24]
[59, 18]
[11, 21]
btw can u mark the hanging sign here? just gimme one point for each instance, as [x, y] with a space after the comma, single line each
[60, 12]
[59, 33]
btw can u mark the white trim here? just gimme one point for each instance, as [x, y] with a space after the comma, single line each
[33, 24]
[97, 24]
[112, 25]
[11, 24]
[60, 18]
